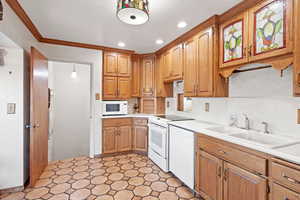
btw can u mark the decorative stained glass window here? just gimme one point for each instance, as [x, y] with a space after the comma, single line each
[270, 27]
[233, 41]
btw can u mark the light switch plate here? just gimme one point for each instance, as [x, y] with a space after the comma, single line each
[11, 108]
[206, 107]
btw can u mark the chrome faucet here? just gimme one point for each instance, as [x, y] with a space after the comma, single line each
[247, 122]
[266, 127]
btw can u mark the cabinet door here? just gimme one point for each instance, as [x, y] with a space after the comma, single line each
[124, 139]
[110, 66]
[167, 65]
[109, 140]
[241, 184]
[140, 138]
[209, 176]
[148, 105]
[148, 77]
[271, 25]
[234, 41]
[124, 88]
[161, 89]
[190, 67]
[136, 77]
[177, 62]
[205, 63]
[280, 193]
[110, 88]
[124, 65]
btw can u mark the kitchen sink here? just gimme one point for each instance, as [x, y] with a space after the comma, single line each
[265, 140]
[227, 130]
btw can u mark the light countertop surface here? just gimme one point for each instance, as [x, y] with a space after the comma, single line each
[141, 115]
[289, 153]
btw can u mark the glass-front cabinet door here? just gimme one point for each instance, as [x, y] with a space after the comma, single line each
[271, 29]
[234, 41]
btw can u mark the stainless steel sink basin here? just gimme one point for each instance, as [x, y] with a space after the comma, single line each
[262, 139]
[227, 130]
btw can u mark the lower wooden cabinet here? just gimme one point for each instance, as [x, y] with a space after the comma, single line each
[209, 176]
[282, 193]
[124, 134]
[140, 138]
[241, 184]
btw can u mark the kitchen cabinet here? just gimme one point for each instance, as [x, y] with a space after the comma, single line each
[282, 193]
[136, 77]
[116, 64]
[125, 134]
[173, 64]
[148, 79]
[161, 89]
[201, 78]
[153, 105]
[140, 135]
[176, 63]
[116, 135]
[116, 88]
[261, 32]
[109, 140]
[190, 68]
[209, 176]
[241, 184]
[227, 172]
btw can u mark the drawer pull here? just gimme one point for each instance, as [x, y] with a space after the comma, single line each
[222, 152]
[220, 172]
[225, 174]
[290, 179]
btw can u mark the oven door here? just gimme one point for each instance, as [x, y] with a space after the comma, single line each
[158, 139]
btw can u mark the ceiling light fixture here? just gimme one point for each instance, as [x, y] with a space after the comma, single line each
[134, 12]
[121, 44]
[182, 24]
[159, 41]
[74, 73]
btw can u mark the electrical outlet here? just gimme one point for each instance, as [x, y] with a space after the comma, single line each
[206, 107]
[11, 108]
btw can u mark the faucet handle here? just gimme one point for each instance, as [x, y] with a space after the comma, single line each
[266, 127]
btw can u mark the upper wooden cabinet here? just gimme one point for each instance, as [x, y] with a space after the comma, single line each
[161, 89]
[136, 77]
[116, 64]
[173, 64]
[262, 32]
[201, 78]
[116, 88]
[148, 77]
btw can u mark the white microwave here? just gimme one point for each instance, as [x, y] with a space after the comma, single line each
[115, 107]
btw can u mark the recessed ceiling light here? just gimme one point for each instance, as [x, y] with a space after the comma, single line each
[159, 41]
[182, 24]
[121, 44]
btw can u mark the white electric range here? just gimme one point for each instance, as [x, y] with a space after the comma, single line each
[158, 147]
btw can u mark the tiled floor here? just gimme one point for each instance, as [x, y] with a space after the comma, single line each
[124, 177]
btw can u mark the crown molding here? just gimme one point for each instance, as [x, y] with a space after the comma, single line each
[20, 12]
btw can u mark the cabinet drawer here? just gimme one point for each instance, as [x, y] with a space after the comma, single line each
[115, 122]
[236, 156]
[140, 121]
[286, 176]
[281, 193]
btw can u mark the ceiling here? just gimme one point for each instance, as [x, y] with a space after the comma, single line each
[95, 21]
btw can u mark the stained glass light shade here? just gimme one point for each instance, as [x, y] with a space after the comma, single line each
[134, 12]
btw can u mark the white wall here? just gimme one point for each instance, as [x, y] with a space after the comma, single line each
[12, 27]
[263, 95]
[70, 109]
[12, 125]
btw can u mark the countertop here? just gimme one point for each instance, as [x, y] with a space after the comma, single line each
[141, 115]
[289, 153]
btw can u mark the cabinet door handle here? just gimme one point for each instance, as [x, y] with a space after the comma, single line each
[298, 79]
[245, 52]
[225, 174]
[250, 51]
[290, 179]
[220, 172]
